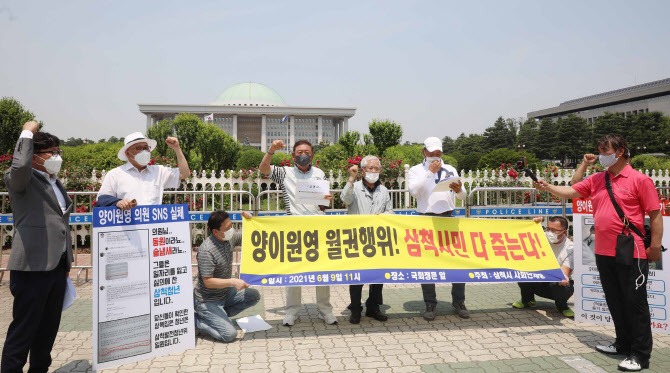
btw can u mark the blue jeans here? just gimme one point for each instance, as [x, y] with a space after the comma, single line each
[213, 318]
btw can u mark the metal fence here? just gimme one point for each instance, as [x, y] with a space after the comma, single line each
[481, 202]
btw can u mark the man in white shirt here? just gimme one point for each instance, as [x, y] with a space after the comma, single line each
[559, 292]
[287, 179]
[137, 182]
[421, 181]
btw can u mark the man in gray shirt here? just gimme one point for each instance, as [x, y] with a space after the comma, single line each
[217, 295]
[366, 197]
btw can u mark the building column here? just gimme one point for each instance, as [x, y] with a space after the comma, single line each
[291, 132]
[264, 133]
[345, 125]
[235, 127]
[319, 125]
[149, 123]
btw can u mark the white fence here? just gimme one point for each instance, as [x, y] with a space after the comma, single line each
[472, 179]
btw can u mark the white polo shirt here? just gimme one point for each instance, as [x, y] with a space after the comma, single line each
[287, 179]
[146, 187]
[421, 182]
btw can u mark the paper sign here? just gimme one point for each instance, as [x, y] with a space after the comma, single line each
[443, 185]
[312, 192]
[253, 324]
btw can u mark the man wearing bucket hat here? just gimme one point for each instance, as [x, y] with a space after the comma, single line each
[421, 181]
[137, 182]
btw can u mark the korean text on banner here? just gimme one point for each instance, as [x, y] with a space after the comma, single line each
[143, 292]
[359, 249]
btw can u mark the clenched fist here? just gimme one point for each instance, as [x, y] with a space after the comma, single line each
[172, 142]
[435, 166]
[31, 126]
[276, 145]
[589, 159]
[353, 171]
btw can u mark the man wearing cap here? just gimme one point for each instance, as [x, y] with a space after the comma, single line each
[421, 181]
[137, 182]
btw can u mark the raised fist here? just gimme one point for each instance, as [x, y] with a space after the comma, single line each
[276, 145]
[590, 159]
[31, 126]
[353, 171]
[172, 142]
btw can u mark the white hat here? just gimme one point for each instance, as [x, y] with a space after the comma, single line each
[132, 139]
[432, 144]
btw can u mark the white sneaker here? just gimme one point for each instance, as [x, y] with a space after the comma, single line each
[632, 364]
[611, 349]
[328, 318]
[289, 320]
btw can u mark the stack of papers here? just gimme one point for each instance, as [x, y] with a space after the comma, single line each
[252, 324]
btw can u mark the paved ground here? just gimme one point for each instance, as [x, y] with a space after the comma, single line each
[496, 339]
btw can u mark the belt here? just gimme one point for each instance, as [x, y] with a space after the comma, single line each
[446, 213]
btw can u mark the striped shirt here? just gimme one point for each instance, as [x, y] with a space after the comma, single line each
[215, 259]
[287, 179]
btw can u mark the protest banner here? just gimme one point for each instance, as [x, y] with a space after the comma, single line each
[590, 304]
[360, 249]
[143, 292]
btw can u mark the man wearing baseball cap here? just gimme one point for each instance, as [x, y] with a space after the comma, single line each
[137, 182]
[421, 181]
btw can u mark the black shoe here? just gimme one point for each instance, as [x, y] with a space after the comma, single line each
[355, 318]
[461, 310]
[633, 364]
[429, 315]
[377, 315]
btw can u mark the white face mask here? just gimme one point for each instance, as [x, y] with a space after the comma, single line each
[431, 159]
[52, 165]
[143, 158]
[608, 160]
[371, 177]
[552, 237]
[228, 235]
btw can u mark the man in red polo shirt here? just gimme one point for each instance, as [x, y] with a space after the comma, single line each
[625, 286]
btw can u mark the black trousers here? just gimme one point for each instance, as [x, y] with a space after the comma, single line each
[374, 298]
[38, 303]
[550, 290]
[628, 306]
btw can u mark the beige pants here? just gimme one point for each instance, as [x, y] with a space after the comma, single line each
[294, 300]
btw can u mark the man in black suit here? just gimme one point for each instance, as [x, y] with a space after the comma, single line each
[41, 250]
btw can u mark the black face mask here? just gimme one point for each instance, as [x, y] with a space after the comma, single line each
[303, 160]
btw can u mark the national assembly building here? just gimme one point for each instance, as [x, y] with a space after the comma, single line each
[256, 115]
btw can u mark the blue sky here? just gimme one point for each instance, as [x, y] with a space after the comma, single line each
[437, 67]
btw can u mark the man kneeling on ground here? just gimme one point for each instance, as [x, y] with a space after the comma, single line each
[218, 296]
[559, 292]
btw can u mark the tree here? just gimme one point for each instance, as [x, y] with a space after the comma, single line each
[217, 149]
[574, 137]
[501, 135]
[649, 132]
[350, 142]
[528, 133]
[385, 134]
[448, 145]
[160, 131]
[249, 157]
[72, 142]
[12, 117]
[186, 128]
[547, 133]
[471, 144]
[114, 139]
[608, 124]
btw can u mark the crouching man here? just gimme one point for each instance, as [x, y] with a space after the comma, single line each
[218, 296]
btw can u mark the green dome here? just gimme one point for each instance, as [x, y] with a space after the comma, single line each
[249, 94]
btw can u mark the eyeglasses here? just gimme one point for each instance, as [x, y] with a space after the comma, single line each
[557, 231]
[52, 152]
[139, 148]
[372, 169]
